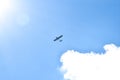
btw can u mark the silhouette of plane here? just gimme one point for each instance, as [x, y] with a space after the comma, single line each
[57, 38]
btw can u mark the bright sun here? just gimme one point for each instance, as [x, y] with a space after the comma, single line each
[5, 7]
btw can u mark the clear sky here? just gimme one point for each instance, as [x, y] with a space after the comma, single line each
[28, 27]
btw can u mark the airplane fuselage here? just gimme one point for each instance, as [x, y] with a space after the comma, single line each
[57, 38]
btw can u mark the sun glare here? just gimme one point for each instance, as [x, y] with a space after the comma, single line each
[13, 14]
[5, 8]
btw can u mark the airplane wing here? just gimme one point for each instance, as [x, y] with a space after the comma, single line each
[57, 38]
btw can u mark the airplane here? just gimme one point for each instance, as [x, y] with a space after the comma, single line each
[57, 38]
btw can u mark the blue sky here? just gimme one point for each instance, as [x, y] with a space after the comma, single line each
[27, 50]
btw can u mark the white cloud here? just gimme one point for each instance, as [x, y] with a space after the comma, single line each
[92, 66]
